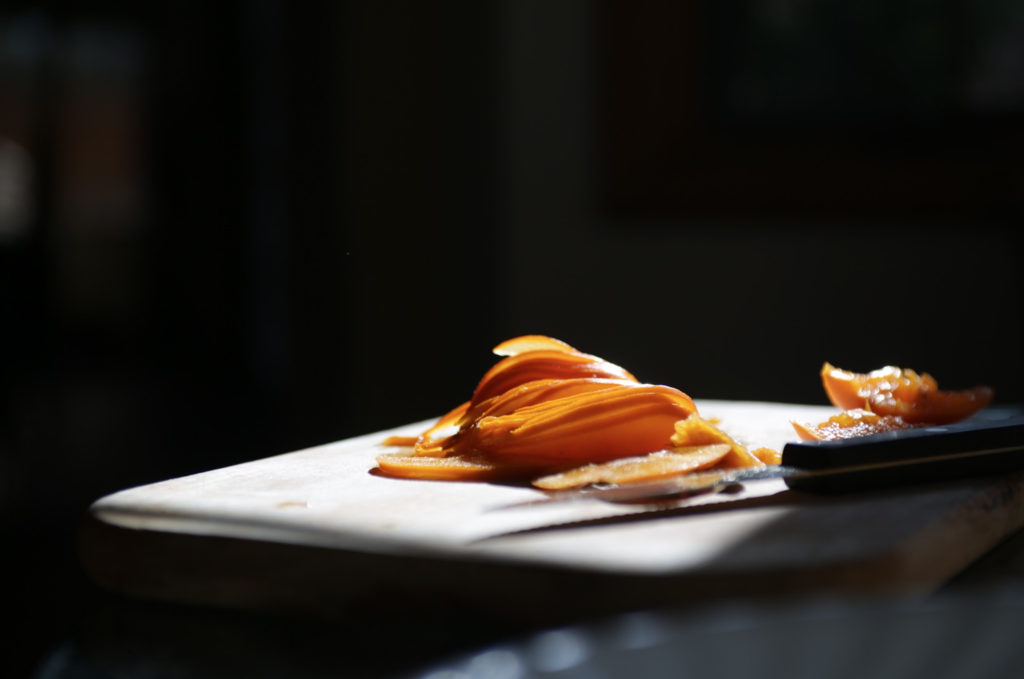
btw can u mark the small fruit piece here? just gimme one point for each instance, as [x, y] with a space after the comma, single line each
[849, 424]
[916, 398]
[696, 431]
[767, 455]
[660, 464]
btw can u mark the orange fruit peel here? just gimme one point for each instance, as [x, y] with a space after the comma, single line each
[889, 399]
[897, 392]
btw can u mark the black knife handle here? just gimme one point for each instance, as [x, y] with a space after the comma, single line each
[940, 453]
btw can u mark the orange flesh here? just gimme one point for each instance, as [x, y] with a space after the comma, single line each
[401, 441]
[541, 391]
[509, 416]
[600, 425]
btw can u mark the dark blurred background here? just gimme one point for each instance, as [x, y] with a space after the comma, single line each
[234, 229]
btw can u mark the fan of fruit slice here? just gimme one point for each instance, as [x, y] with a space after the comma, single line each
[564, 418]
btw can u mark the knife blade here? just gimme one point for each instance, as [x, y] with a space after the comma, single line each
[979, 447]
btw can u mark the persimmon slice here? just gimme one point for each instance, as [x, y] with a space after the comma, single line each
[454, 468]
[914, 397]
[660, 464]
[519, 345]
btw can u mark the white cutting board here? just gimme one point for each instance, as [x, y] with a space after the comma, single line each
[319, 531]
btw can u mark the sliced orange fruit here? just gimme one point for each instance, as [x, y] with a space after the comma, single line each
[542, 391]
[916, 398]
[544, 408]
[536, 418]
[620, 421]
[660, 464]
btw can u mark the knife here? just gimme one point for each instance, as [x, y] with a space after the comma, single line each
[979, 447]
